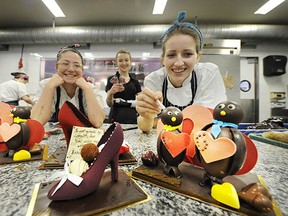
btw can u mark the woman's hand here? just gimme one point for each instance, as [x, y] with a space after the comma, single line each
[110, 94]
[55, 81]
[82, 83]
[146, 103]
[117, 88]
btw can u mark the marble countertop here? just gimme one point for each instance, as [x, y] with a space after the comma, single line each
[18, 180]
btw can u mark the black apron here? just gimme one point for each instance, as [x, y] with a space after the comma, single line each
[193, 82]
[14, 103]
[123, 112]
[54, 117]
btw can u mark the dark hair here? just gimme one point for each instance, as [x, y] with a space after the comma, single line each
[20, 75]
[71, 48]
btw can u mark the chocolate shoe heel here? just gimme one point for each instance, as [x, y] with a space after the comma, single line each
[112, 139]
[114, 168]
[70, 116]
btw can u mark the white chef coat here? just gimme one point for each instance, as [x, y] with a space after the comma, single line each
[210, 86]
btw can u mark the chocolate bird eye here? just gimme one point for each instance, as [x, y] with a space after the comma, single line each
[169, 113]
[221, 106]
[231, 106]
[176, 113]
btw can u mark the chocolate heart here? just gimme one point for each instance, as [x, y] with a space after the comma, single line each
[187, 126]
[175, 143]
[226, 193]
[191, 148]
[214, 149]
[9, 131]
[200, 116]
[257, 196]
[5, 113]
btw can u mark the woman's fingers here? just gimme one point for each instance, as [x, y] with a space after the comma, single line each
[146, 103]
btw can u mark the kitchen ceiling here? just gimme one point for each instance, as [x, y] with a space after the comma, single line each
[129, 21]
[33, 13]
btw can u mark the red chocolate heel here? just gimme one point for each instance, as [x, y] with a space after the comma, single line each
[112, 139]
[70, 116]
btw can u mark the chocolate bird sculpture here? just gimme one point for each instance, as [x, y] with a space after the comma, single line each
[171, 143]
[20, 115]
[221, 147]
[23, 133]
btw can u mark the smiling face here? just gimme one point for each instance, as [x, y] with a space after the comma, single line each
[179, 57]
[123, 61]
[69, 67]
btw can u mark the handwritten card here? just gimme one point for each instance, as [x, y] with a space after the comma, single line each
[81, 136]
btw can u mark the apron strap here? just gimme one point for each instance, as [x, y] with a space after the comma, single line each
[193, 83]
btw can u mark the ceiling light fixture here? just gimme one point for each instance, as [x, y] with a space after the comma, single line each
[54, 8]
[36, 55]
[270, 5]
[88, 55]
[159, 6]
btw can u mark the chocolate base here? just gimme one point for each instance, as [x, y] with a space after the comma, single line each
[8, 160]
[189, 186]
[108, 197]
[56, 160]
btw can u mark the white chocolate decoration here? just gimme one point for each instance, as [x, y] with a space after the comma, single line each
[78, 167]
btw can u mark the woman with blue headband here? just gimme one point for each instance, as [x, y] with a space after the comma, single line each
[68, 84]
[183, 80]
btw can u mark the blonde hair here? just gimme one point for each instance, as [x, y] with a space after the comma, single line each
[124, 52]
[184, 31]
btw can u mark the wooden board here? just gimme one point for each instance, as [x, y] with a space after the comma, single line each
[8, 160]
[189, 186]
[109, 196]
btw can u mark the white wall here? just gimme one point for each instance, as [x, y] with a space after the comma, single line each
[268, 84]
[9, 63]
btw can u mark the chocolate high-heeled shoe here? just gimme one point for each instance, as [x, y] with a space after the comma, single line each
[112, 139]
[70, 116]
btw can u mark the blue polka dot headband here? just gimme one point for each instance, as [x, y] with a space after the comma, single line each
[177, 24]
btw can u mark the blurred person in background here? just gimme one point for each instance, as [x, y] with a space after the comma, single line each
[122, 89]
[12, 91]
